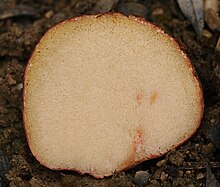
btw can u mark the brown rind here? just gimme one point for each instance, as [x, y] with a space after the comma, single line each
[132, 162]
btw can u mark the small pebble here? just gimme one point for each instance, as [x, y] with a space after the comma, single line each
[180, 173]
[200, 176]
[49, 14]
[141, 178]
[188, 172]
[157, 12]
[212, 19]
[213, 120]
[207, 35]
[161, 163]
[102, 6]
[191, 185]
[10, 80]
[177, 158]
[217, 47]
[163, 176]
[189, 164]
[19, 86]
[132, 8]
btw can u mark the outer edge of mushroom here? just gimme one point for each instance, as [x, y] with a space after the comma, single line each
[132, 163]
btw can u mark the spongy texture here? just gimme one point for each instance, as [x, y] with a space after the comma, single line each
[105, 92]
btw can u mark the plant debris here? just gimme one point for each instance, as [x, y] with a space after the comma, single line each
[18, 10]
[211, 180]
[193, 10]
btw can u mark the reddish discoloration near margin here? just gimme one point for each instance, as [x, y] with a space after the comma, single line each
[139, 140]
[137, 150]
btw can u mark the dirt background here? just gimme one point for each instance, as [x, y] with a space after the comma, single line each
[22, 24]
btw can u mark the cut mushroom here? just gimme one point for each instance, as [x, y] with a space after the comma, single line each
[103, 93]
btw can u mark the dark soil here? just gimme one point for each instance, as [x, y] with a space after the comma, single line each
[22, 24]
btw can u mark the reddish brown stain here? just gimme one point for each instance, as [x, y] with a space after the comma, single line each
[139, 97]
[138, 140]
[137, 150]
[153, 98]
